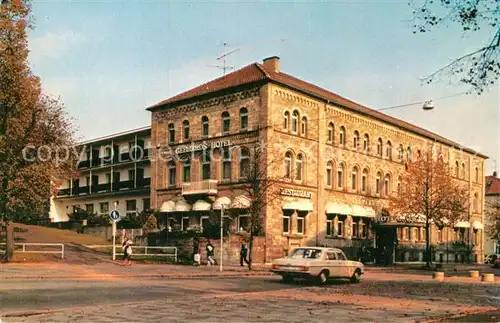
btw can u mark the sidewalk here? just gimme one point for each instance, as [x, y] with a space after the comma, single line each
[116, 270]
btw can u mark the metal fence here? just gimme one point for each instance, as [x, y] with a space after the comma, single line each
[25, 246]
[140, 251]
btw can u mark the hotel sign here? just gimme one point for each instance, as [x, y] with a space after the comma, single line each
[296, 193]
[203, 146]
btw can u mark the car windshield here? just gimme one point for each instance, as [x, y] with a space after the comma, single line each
[306, 253]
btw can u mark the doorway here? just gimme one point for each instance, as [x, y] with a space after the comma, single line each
[385, 245]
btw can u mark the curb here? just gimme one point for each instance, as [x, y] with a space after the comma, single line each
[117, 276]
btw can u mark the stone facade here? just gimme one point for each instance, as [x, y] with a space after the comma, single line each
[294, 126]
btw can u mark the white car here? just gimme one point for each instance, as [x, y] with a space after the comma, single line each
[317, 263]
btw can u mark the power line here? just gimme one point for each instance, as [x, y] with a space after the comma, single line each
[421, 102]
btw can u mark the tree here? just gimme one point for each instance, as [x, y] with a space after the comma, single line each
[35, 132]
[428, 188]
[479, 68]
[150, 225]
[261, 188]
[492, 217]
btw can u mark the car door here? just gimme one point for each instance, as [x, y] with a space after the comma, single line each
[343, 267]
[333, 264]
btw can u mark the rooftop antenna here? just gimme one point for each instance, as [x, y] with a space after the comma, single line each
[224, 67]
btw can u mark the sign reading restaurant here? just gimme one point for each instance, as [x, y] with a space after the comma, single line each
[203, 146]
[296, 193]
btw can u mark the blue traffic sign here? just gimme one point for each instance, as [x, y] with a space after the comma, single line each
[114, 215]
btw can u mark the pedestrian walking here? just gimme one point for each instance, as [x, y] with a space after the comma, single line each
[243, 254]
[127, 252]
[210, 254]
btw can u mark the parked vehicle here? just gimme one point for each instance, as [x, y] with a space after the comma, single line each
[319, 264]
[496, 264]
[491, 259]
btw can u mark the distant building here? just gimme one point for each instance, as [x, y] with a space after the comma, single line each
[341, 161]
[492, 207]
[113, 169]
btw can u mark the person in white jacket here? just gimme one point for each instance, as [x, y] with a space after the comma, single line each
[127, 252]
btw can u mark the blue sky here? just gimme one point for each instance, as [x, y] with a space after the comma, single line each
[109, 60]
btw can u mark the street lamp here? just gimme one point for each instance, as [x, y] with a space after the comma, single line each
[428, 105]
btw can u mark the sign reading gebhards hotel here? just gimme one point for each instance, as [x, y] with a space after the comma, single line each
[203, 146]
[296, 193]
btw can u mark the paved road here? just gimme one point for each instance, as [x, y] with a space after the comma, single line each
[243, 299]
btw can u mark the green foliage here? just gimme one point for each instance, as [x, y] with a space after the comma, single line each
[151, 225]
[130, 221]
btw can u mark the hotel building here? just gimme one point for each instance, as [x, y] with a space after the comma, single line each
[113, 170]
[340, 163]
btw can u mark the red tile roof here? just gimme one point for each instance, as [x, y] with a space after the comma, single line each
[258, 72]
[492, 185]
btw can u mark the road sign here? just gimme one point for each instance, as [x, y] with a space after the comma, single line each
[114, 215]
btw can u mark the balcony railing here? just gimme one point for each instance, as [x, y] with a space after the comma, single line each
[63, 192]
[143, 182]
[208, 187]
[134, 155]
[101, 188]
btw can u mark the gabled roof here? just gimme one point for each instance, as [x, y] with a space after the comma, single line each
[492, 185]
[258, 72]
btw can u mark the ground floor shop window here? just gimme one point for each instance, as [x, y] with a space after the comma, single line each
[329, 226]
[185, 223]
[204, 223]
[286, 224]
[244, 223]
[340, 228]
[355, 229]
[300, 224]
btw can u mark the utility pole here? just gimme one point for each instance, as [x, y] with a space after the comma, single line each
[224, 65]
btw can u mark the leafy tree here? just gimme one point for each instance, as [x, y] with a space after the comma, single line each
[479, 68]
[492, 217]
[151, 225]
[428, 188]
[33, 127]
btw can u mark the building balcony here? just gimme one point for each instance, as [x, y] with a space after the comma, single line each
[101, 188]
[84, 164]
[143, 182]
[207, 187]
[63, 192]
[81, 190]
[129, 184]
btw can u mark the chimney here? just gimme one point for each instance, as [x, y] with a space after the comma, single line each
[494, 173]
[272, 63]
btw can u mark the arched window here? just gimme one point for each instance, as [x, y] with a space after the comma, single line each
[342, 136]
[299, 167]
[408, 154]
[204, 126]
[456, 168]
[388, 150]
[399, 184]
[364, 180]
[379, 147]
[366, 143]
[340, 176]
[355, 140]
[288, 165]
[205, 165]
[476, 202]
[354, 179]
[387, 185]
[330, 133]
[295, 121]
[226, 163]
[477, 175]
[172, 173]
[463, 170]
[329, 174]
[185, 126]
[243, 119]
[378, 183]
[286, 121]
[226, 122]
[244, 163]
[401, 152]
[186, 170]
[303, 127]
[171, 133]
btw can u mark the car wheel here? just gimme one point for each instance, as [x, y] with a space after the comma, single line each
[322, 277]
[356, 277]
[287, 279]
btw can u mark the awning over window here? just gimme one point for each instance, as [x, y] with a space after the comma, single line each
[201, 205]
[241, 202]
[338, 208]
[370, 212]
[167, 206]
[299, 205]
[358, 210]
[476, 225]
[462, 224]
[182, 206]
[223, 200]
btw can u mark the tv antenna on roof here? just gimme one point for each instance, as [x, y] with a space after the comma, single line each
[225, 67]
